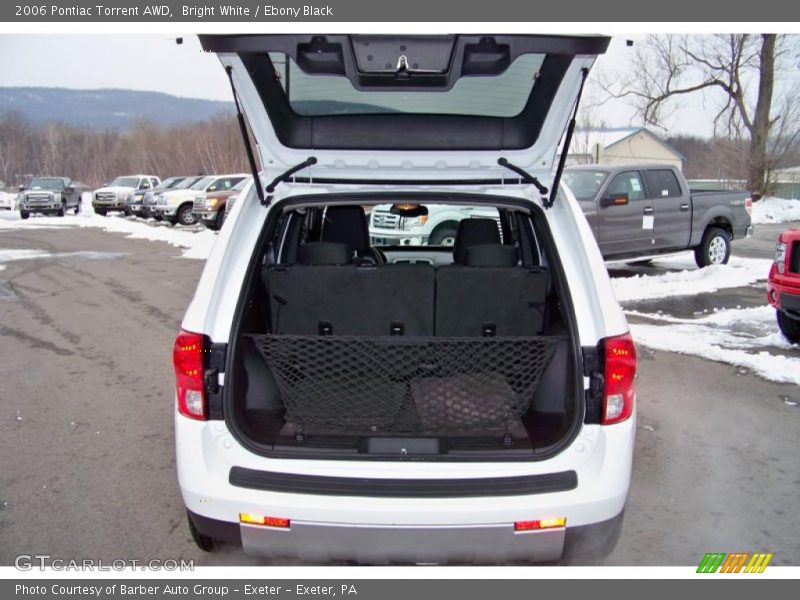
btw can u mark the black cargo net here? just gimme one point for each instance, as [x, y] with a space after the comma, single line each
[409, 385]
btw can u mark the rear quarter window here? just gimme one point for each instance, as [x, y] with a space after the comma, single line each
[663, 184]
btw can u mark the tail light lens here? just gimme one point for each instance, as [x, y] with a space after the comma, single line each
[620, 358]
[748, 205]
[187, 357]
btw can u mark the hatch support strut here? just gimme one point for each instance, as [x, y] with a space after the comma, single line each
[246, 138]
[562, 160]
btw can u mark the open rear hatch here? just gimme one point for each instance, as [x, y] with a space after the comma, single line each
[438, 107]
[358, 359]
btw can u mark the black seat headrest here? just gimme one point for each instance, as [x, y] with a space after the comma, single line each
[491, 255]
[346, 225]
[323, 253]
[471, 232]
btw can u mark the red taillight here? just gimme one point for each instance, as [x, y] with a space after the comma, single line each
[187, 357]
[748, 205]
[620, 356]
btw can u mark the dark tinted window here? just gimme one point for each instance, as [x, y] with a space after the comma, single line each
[663, 184]
[628, 183]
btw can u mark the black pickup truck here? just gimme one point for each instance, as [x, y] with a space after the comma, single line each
[638, 212]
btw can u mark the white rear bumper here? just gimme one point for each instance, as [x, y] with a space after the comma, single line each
[392, 528]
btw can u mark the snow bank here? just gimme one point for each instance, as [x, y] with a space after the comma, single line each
[698, 342]
[775, 210]
[738, 272]
[196, 244]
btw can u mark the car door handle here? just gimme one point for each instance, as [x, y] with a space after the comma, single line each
[684, 207]
[648, 210]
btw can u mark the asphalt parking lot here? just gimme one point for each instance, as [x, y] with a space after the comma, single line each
[88, 471]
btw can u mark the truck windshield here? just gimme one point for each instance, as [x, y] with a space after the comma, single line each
[48, 183]
[203, 183]
[502, 96]
[584, 184]
[131, 182]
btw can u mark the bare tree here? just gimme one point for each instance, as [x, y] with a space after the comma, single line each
[95, 157]
[740, 69]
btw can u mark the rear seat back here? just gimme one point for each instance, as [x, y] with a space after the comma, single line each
[352, 300]
[490, 295]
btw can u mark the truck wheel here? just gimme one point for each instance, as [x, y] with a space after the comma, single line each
[185, 215]
[24, 214]
[444, 235]
[78, 207]
[63, 210]
[715, 249]
[204, 542]
[789, 327]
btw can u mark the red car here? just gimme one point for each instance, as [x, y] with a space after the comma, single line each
[783, 287]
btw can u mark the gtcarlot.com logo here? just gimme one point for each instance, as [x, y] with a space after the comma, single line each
[737, 562]
[27, 562]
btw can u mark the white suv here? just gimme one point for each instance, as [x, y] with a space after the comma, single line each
[406, 403]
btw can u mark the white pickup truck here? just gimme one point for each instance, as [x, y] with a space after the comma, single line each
[437, 228]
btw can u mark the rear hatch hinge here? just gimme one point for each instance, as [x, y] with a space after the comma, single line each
[213, 367]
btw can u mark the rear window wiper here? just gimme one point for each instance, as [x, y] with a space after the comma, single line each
[524, 175]
[311, 160]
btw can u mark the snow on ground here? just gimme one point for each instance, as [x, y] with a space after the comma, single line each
[747, 338]
[688, 280]
[196, 243]
[699, 341]
[775, 210]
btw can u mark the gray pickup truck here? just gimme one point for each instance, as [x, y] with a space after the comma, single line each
[49, 195]
[638, 212]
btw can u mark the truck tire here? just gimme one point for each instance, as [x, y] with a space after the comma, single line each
[715, 249]
[444, 235]
[185, 215]
[789, 327]
[78, 207]
[24, 214]
[62, 212]
[204, 542]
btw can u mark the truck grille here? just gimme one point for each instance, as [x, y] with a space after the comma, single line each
[34, 199]
[385, 220]
[794, 258]
[105, 197]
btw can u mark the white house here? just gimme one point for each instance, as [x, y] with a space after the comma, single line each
[622, 145]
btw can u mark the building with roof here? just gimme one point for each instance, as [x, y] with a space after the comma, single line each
[622, 145]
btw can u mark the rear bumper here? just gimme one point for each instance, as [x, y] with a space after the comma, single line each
[403, 529]
[324, 542]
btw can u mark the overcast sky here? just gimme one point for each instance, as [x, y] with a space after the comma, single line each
[157, 63]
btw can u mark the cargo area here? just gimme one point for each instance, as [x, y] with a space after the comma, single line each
[345, 349]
